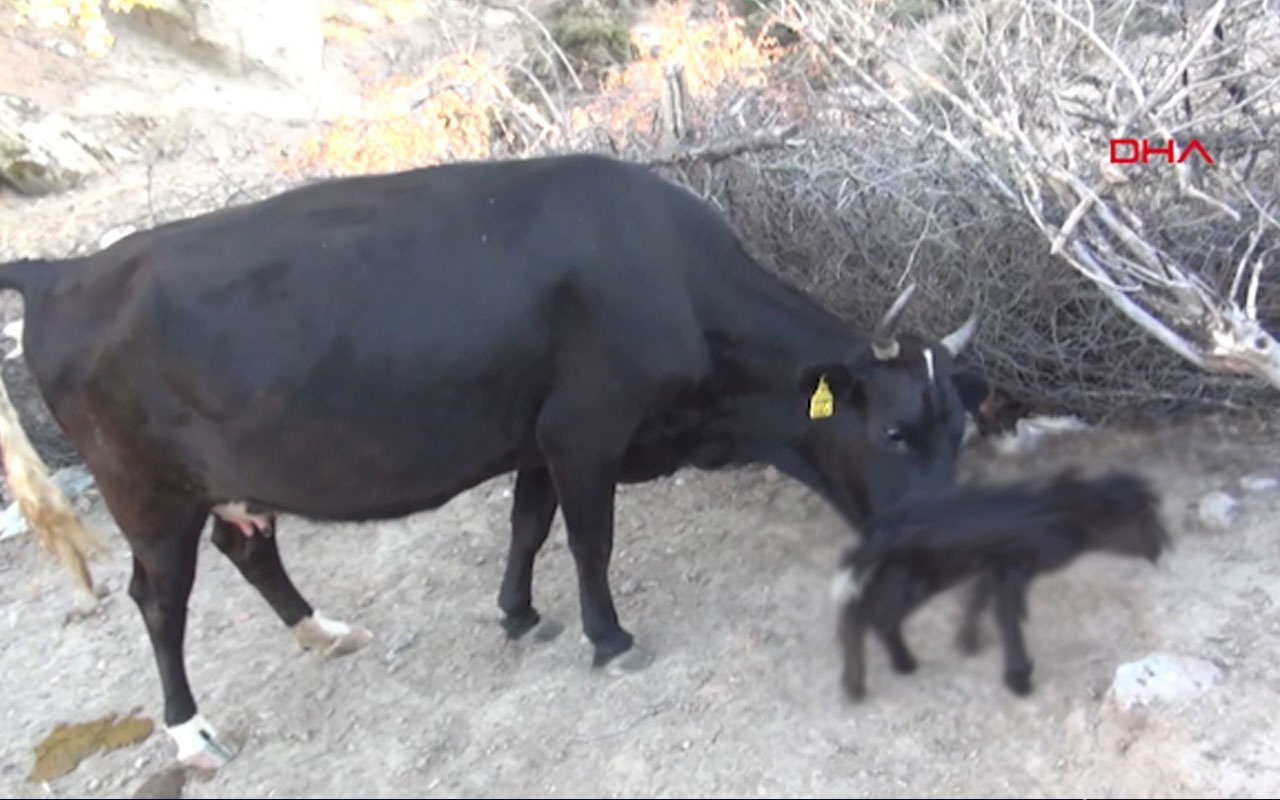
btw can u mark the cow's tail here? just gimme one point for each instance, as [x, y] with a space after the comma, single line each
[43, 503]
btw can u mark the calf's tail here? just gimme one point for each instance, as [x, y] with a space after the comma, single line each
[42, 502]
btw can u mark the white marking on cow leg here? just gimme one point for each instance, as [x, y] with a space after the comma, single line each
[928, 363]
[844, 588]
[199, 745]
[331, 637]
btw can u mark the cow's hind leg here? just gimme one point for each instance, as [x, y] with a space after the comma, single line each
[257, 557]
[585, 469]
[532, 511]
[164, 545]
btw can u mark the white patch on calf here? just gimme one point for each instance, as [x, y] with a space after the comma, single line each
[198, 743]
[844, 588]
[928, 363]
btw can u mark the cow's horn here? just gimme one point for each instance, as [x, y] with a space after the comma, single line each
[958, 339]
[884, 342]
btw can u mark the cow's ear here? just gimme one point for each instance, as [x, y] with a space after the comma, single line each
[973, 389]
[839, 378]
[823, 383]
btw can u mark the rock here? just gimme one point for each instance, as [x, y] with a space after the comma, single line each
[1162, 678]
[40, 152]
[1259, 482]
[279, 38]
[1219, 510]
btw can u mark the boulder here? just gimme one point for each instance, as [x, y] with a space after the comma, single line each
[281, 39]
[41, 152]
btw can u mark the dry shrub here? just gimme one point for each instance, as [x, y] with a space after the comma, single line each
[445, 114]
[959, 153]
[716, 59]
[953, 150]
[469, 105]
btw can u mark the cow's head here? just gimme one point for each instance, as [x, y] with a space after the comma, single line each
[889, 421]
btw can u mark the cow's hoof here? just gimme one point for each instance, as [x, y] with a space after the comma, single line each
[330, 637]
[199, 745]
[629, 662]
[544, 630]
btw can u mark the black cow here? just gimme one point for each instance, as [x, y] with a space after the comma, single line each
[365, 348]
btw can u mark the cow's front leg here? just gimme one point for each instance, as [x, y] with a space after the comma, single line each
[587, 497]
[256, 555]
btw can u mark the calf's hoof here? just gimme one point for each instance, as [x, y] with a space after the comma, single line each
[1018, 682]
[199, 745]
[329, 636]
[854, 689]
[968, 641]
[904, 665]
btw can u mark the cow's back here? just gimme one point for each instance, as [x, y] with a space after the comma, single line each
[375, 315]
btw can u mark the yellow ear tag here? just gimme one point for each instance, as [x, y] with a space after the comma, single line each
[821, 404]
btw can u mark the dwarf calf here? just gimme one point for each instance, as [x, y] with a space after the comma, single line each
[1004, 536]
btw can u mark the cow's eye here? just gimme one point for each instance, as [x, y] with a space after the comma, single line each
[895, 435]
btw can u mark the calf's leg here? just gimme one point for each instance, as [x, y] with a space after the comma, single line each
[532, 511]
[257, 558]
[968, 640]
[893, 603]
[1010, 596]
[852, 630]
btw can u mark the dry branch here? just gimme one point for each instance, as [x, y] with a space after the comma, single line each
[1031, 94]
[713, 152]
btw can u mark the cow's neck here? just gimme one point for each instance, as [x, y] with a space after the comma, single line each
[764, 331]
[760, 345]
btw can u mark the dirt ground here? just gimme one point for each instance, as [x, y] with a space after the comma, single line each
[724, 575]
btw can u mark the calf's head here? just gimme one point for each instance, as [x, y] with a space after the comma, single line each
[890, 420]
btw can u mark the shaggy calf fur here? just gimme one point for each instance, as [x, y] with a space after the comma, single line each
[1004, 536]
